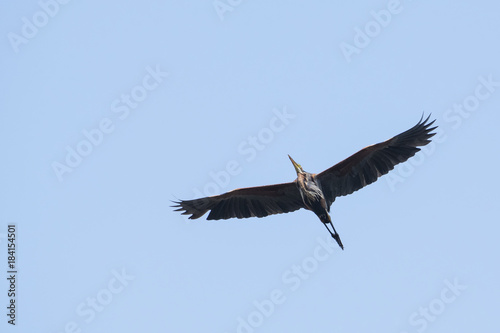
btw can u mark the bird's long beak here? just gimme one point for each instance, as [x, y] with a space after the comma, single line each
[297, 166]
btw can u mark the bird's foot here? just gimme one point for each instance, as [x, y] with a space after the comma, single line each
[337, 238]
[334, 235]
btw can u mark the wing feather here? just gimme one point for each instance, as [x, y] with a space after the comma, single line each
[245, 202]
[368, 164]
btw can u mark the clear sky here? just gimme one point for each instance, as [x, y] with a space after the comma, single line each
[109, 110]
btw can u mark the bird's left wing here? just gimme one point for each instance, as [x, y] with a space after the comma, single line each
[368, 164]
[245, 202]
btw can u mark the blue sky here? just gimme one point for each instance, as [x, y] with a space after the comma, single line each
[110, 110]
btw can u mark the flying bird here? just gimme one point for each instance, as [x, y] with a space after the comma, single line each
[314, 192]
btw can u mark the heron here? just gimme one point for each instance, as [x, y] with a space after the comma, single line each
[314, 192]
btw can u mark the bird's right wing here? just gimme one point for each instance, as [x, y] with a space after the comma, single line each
[368, 164]
[245, 202]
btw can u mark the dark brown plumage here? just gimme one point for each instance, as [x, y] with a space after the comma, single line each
[315, 192]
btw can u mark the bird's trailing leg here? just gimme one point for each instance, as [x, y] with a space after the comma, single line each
[334, 234]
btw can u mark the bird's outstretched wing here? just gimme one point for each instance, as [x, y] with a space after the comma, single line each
[245, 202]
[368, 164]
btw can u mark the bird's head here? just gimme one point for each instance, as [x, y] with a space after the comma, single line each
[297, 166]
